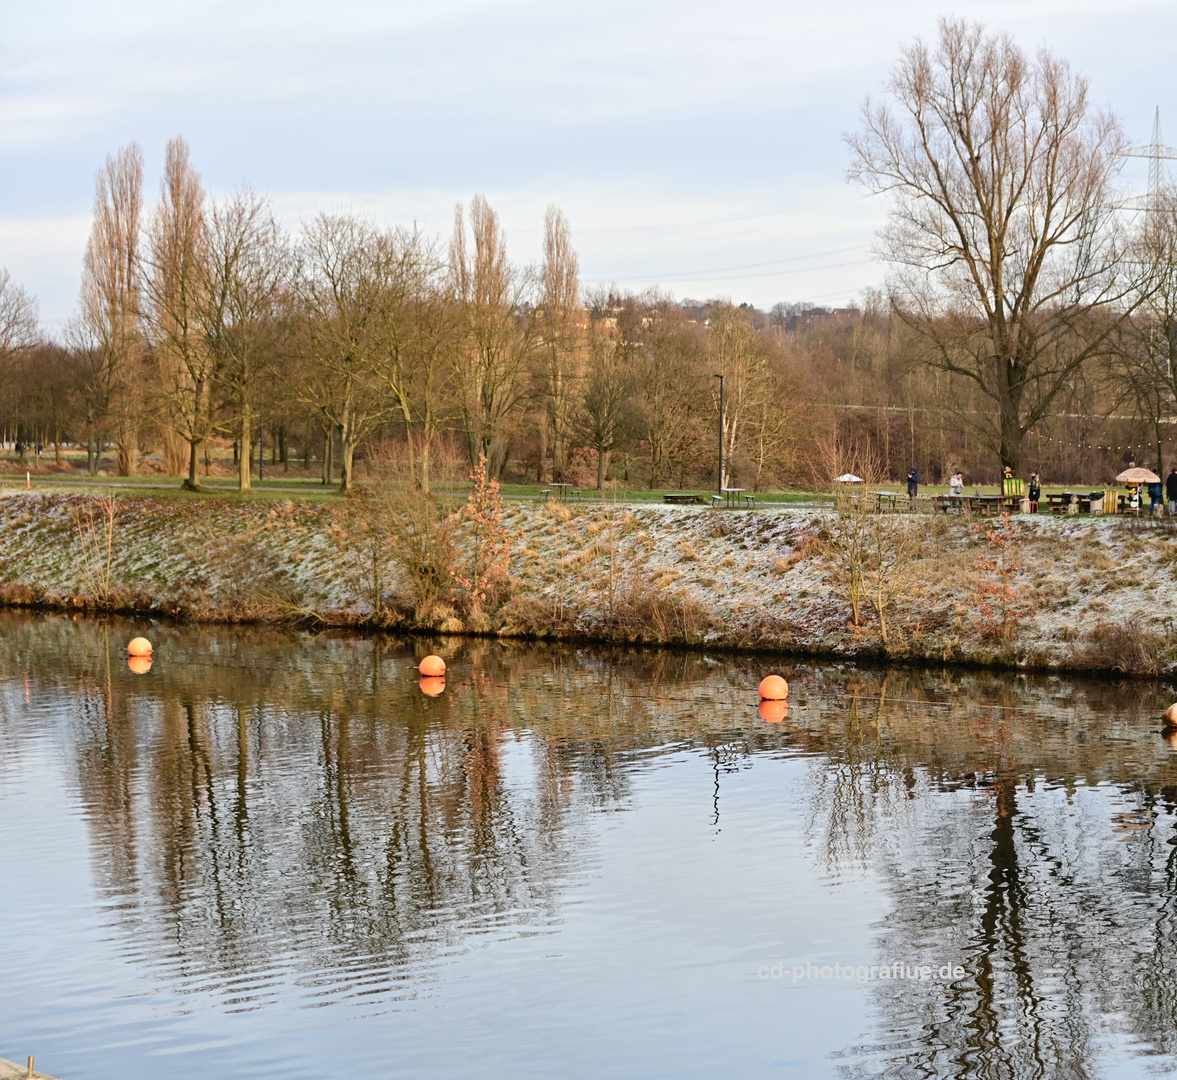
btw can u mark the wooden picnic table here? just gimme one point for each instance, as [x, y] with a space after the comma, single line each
[732, 495]
[976, 504]
[890, 497]
[563, 491]
[1059, 504]
[677, 498]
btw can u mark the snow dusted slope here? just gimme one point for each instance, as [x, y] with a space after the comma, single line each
[1087, 592]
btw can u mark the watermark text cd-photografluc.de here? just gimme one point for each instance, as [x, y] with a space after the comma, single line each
[897, 971]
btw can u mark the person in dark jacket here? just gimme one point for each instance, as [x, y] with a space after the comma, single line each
[1171, 491]
[1034, 490]
[913, 484]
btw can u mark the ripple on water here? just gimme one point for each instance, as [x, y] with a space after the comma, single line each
[275, 851]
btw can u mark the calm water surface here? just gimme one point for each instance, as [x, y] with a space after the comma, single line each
[272, 855]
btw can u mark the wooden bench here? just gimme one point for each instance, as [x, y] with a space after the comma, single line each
[682, 499]
[750, 501]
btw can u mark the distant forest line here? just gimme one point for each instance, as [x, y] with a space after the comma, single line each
[1029, 322]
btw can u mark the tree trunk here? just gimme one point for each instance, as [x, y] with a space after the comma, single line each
[193, 481]
[91, 458]
[245, 458]
[1011, 445]
[347, 453]
[127, 453]
[425, 445]
[602, 468]
[496, 456]
[543, 454]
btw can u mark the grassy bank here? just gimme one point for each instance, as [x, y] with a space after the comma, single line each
[1083, 593]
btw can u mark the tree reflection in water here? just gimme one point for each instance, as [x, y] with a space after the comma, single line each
[272, 809]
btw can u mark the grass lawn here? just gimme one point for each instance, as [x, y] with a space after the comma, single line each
[279, 485]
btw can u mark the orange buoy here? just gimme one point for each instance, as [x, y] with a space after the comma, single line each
[1170, 716]
[140, 665]
[774, 711]
[433, 666]
[139, 646]
[432, 685]
[773, 688]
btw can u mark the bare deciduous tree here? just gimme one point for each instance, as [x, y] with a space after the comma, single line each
[1145, 366]
[736, 354]
[1002, 233]
[605, 413]
[562, 336]
[174, 287]
[111, 300]
[415, 323]
[668, 374]
[19, 322]
[344, 278]
[496, 334]
[246, 277]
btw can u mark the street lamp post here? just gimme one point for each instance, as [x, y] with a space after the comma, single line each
[719, 482]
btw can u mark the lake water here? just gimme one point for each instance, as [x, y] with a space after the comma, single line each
[273, 855]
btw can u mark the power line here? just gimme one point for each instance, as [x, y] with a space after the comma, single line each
[714, 221]
[688, 277]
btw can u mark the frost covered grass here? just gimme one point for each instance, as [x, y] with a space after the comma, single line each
[1089, 593]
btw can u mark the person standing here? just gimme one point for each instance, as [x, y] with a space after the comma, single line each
[1035, 492]
[956, 484]
[913, 484]
[1171, 491]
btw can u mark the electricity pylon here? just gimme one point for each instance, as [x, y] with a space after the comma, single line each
[1157, 153]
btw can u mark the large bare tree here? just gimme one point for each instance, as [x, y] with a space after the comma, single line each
[562, 331]
[1145, 367]
[496, 335]
[111, 296]
[343, 286]
[174, 285]
[737, 355]
[246, 278]
[1002, 234]
[19, 321]
[606, 415]
[416, 326]
[670, 383]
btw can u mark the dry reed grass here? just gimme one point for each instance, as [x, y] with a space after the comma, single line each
[1127, 648]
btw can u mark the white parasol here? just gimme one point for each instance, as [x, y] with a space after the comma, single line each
[1138, 476]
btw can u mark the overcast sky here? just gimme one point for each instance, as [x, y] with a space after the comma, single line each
[696, 146]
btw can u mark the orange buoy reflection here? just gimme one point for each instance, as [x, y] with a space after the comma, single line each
[432, 685]
[139, 646]
[432, 666]
[140, 665]
[773, 688]
[774, 711]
